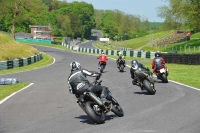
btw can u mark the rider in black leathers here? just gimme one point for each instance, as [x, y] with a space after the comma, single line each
[78, 83]
[135, 68]
[120, 57]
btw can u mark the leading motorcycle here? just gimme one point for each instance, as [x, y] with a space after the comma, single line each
[146, 82]
[93, 106]
[102, 66]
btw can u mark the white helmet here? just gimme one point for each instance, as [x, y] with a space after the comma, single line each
[102, 52]
[75, 65]
[120, 53]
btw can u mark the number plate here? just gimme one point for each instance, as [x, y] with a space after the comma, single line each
[162, 70]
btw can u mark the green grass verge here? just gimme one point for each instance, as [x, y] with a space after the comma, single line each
[50, 45]
[10, 89]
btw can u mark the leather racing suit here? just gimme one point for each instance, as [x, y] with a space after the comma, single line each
[78, 83]
[156, 62]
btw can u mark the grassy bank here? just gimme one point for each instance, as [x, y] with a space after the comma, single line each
[10, 49]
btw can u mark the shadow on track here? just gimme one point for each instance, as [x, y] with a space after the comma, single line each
[122, 71]
[86, 119]
[142, 93]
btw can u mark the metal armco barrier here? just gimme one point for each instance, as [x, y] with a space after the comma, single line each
[19, 62]
[127, 53]
[193, 59]
[189, 59]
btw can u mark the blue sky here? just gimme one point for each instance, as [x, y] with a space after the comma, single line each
[143, 8]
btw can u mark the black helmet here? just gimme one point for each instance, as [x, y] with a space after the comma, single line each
[157, 54]
[134, 64]
[75, 65]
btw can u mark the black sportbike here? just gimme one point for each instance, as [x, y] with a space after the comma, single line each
[121, 65]
[94, 107]
[146, 82]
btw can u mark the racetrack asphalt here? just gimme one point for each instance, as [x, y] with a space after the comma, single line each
[48, 107]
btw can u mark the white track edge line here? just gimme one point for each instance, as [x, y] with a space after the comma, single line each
[2, 101]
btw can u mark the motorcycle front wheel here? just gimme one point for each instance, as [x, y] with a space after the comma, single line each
[118, 110]
[96, 116]
[148, 87]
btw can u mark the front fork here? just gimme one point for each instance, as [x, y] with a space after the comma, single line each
[81, 105]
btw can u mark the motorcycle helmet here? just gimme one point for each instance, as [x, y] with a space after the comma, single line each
[75, 65]
[120, 53]
[134, 64]
[157, 54]
[102, 53]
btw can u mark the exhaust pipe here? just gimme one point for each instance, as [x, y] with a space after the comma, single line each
[95, 98]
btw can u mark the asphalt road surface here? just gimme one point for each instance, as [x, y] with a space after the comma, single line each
[48, 107]
[94, 38]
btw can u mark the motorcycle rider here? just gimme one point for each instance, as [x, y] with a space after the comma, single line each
[120, 57]
[157, 61]
[102, 58]
[78, 83]
[135, 68]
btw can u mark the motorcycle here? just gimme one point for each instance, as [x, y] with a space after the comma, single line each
[102, 66]
[146, 82]
[93, 106]
[162, 73]
[121, 65]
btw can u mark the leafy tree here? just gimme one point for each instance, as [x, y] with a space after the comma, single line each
[20, 13]
[181, 14]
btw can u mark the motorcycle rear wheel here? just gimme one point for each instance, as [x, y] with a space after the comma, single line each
[97, 117]
[164, 78]
[101, 68]
[148, 87]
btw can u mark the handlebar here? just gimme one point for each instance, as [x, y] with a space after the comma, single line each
[96, 79]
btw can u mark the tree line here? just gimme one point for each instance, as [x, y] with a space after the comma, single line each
[181, 14]
[76, 19]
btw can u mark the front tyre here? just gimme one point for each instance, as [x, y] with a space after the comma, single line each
[96, 116]
[117, 110]
[148, 87]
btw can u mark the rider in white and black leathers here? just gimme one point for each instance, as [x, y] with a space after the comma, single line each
[78, 83]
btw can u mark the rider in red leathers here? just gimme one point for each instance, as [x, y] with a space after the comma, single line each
[102, 58]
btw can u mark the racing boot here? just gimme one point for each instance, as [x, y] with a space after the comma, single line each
[134, 82]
